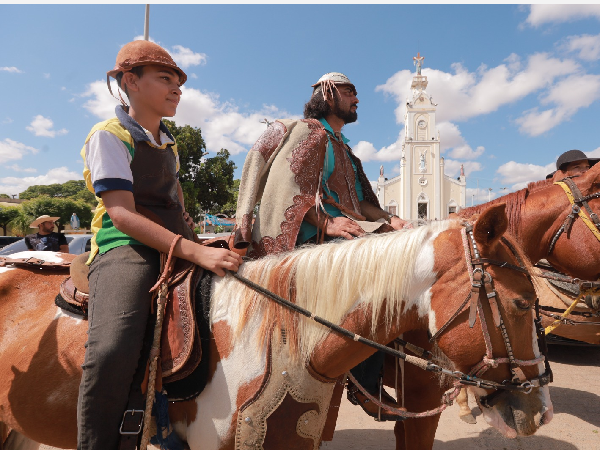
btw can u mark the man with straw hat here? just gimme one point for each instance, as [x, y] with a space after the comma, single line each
[46, 240]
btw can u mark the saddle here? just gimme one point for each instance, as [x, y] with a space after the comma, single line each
[181, 349]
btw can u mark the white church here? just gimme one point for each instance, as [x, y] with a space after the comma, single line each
[422, 190]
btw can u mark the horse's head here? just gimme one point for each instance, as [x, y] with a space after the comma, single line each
[576, 250]
[494, 335]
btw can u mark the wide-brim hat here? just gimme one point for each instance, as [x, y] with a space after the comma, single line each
[572, 156]
[41, 219]
[143, 53]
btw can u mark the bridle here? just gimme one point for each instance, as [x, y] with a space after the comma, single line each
[480, 280]
[578, 204]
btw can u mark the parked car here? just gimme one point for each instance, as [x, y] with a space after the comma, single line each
[78, 244]
[7, 240]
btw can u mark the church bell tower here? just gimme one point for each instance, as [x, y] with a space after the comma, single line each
[421, 166]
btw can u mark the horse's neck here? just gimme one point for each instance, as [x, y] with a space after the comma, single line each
[538, 219]
[338, 354]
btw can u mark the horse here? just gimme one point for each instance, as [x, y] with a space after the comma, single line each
[535, 215]
[271, 372]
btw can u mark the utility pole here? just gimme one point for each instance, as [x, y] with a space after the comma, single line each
[147, 24]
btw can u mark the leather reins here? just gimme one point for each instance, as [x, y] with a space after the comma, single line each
[482, 281]
[578, 204]
[479, 280]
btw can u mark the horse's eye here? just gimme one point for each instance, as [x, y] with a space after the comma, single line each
[522, 304]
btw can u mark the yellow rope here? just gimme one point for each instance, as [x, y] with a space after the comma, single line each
[550, 328]
[581, 213]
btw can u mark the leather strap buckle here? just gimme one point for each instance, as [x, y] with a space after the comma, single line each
[132, 422]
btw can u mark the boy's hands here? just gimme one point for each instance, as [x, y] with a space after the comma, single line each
[218, 259]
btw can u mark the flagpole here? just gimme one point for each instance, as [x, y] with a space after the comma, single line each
[147, 24]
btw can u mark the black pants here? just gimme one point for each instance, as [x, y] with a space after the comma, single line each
[367, 372]
[119, 308]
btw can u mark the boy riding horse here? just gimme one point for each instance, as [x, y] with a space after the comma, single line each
[131, 165]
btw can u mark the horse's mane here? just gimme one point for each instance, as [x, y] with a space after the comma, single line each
[329, 280]
[515, 202]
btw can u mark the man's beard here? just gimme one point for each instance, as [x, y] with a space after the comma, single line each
[347, 116]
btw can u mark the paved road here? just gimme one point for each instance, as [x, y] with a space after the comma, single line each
[576, 425]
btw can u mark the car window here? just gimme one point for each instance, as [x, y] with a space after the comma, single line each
[88, 246]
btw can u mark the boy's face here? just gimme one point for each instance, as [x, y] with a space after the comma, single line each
[157, 91]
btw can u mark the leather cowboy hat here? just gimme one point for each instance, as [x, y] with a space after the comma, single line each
[143, 53]
[569, 157]
[41, 219]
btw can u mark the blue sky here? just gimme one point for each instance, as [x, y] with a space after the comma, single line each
[515, 85]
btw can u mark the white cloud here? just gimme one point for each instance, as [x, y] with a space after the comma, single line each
[15, 185]
[480, 195]
[10, 69]
[518, 175]
[185, 57]
[10, 149]
[42, 126]
[46, 75]
[221, 123]
[193, 75]
[463, 94]
[452, 167]
[17, 168]
[541, 14]
[101, 103]
[569, 95]
[7, 120]
[366, 151]
[587, 46]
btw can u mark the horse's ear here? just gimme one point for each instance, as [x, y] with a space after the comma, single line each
[490, 226]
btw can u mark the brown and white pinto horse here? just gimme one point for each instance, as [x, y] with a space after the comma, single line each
[379, 286]
[535, 215]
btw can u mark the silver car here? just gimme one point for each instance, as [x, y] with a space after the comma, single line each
[78, 244]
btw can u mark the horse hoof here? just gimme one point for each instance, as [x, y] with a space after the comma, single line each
[469, 418]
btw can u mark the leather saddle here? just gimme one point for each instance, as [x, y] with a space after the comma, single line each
[181, 349]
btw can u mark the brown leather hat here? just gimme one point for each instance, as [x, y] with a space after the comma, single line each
[142, 53]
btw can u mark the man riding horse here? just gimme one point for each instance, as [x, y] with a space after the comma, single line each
[571, 164]
[312, 188]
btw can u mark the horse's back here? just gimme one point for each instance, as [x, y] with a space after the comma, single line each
[41, 352]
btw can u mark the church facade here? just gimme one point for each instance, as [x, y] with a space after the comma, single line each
[422, 190]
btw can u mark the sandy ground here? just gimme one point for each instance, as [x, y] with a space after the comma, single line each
[576, 425]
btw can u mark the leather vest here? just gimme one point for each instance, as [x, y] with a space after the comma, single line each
[155, 188]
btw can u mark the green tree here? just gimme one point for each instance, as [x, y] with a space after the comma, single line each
[4, 196]
[7, 215]
[59, 207]
[73, 189]
[20, 224]
[216, 181]
[230, 207]
[206, 182]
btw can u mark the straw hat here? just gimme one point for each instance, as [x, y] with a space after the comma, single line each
[41, 219]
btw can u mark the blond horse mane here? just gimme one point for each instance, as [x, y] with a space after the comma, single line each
[330, 280]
